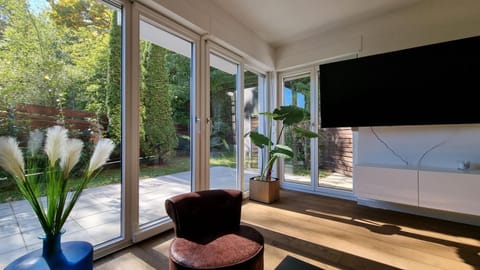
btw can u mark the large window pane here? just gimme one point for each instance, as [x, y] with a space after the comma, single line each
[164, 120]
[223, 144]
[60, 64]
[296, 91]
[335, 157]
[253, 98]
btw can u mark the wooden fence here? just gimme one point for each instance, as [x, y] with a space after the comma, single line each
[27, 117]
[336, 152]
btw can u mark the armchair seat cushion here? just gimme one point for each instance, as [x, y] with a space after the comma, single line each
[235, 250]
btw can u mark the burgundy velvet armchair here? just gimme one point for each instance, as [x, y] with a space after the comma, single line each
[208, 233]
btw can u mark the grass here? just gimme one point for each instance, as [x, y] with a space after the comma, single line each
[226, 159]
[177, 164]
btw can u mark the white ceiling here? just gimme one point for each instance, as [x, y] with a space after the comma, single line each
[280, 22]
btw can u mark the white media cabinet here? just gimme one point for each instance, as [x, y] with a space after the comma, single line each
[434, 188]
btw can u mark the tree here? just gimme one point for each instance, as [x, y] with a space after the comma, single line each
[33, 67]
[178, 70]
[113, 91]
[223, 130]
[48, 62]
[85, 26]
[3, 17]
[75, 14]
[160, 135]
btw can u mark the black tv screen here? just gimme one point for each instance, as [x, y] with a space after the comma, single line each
[428, 85]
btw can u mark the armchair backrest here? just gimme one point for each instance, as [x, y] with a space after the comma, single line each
[198, 215]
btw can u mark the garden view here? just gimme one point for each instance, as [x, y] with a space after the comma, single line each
[60, 63]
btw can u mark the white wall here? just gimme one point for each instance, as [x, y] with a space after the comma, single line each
[426, 22]
[207, 19]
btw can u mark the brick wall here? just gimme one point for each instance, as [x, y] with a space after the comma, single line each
[335, 148]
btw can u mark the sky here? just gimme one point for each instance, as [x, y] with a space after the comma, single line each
[38, 5]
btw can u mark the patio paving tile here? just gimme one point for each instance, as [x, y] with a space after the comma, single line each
[11, 255]
[8, 226]
[99, 218]
[72, 226]
[12, 242]
[5, 210]
[104, 232]
[28, 224]
[87, 210]
[4, 206]
[33, 236]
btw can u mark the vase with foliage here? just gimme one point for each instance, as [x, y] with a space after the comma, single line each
[45, 180]
[289, 116]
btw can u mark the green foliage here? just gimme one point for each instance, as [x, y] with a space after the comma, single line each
[178, 69]
[31, 49]
[222, 133]
[113, 93]
[3, 17]
[77, 14]
[160, 135]
[289, 116]
[52, 63]
[225, 159]
[299, 87]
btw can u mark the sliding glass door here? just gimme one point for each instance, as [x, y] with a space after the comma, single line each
[165, 117]
[62, 70]
[254, 93]
[297, 91]
[223, 121]
[236, 96]
[322, 164]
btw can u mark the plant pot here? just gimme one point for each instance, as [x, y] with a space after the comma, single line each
[263, 191]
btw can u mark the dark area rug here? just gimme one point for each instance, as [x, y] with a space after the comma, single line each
[291, 263]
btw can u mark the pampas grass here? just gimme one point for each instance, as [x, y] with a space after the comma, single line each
[63, 155]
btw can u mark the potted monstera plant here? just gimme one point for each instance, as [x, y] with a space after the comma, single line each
[264, 187]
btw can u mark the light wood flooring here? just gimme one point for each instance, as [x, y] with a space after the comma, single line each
[334, 234]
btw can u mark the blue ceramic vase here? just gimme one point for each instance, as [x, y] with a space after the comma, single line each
[73, 255]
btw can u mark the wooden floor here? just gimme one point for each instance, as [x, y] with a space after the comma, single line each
[334, 234]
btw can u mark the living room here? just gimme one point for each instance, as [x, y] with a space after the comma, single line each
[218, 49]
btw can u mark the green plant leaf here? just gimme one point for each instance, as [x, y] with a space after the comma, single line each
[305, 133]
[282, 151]
[270, 115]
[289, 115]
[259, 140]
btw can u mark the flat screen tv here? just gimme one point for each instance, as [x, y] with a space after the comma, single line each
[429, 85]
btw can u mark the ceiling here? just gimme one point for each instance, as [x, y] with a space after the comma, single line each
[280, 22]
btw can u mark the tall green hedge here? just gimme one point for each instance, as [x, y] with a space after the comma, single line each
[160, 137]
[113, 96]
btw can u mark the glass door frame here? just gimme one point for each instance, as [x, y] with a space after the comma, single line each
[263, 106]
[140, 12]
[313, 187]
[212, 47]
[310, 72]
